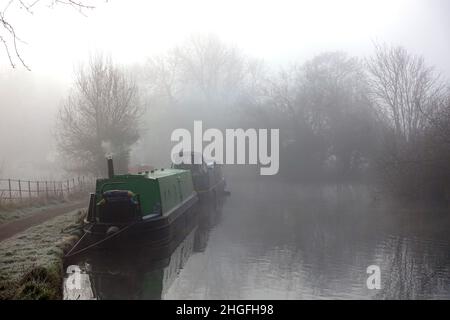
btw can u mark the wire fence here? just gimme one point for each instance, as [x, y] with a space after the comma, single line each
[13, 190]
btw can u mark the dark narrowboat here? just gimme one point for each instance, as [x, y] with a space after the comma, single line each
[150, 208]
[207, 176]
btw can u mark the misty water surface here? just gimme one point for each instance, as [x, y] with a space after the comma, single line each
[280, 240]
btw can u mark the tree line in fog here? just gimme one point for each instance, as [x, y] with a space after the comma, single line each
[383, 119]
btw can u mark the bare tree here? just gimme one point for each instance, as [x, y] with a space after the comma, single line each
[209, 68]
[202, 78]
[333, 95]
[9, 38]
[404, 89]
[100, 116]
[410, 100]
[162, 79]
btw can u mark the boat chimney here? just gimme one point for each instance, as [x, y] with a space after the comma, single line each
[110, 167]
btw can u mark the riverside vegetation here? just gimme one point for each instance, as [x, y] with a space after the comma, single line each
[31, 262]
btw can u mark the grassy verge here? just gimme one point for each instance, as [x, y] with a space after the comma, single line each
[31, 262]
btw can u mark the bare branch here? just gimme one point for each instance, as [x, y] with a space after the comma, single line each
[10, 39]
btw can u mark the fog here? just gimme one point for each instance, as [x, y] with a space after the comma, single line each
[357, 93]
[57, 39]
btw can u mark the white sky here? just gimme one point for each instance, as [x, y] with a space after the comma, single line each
[277, 31]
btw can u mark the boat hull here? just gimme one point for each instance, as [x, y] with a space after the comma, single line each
[148, 231]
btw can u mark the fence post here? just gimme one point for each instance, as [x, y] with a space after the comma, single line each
[61, 188]
[46, 189]
[68, 189]
[37, 186]
[20, 191]
[9, 187]
[54, 189]
[29, 189]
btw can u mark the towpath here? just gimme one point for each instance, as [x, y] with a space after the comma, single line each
[9, 229]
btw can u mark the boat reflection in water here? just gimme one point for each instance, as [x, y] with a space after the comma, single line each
[145, 272]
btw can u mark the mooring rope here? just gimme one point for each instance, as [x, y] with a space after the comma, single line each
[207, 190]
[70, 254]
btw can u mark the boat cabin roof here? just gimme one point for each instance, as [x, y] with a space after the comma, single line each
[154, 174]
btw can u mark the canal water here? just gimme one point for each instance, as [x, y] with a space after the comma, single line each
[279, 240]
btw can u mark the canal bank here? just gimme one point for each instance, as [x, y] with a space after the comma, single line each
[31, 262]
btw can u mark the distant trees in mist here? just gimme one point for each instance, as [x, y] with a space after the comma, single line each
[322, 107]
[325, 105]
[203, 70]
[384, 119]
[201, 79]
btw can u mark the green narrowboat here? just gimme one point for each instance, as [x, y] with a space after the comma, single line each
[139, 209]
[142, 272]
